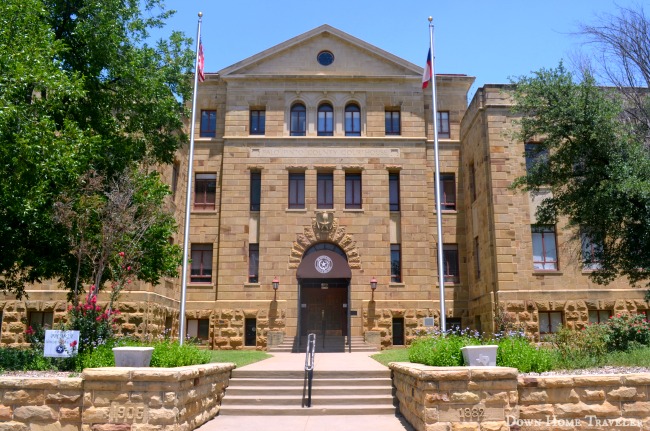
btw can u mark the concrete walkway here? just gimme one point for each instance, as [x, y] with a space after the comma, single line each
[323, 362]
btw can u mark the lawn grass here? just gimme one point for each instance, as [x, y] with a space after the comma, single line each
[392, 355]
[632, 358]
[239, 357]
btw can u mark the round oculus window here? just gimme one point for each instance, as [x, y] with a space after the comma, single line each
[325, 58]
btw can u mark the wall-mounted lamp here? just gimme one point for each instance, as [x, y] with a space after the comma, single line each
[276, 284]
[373, 286]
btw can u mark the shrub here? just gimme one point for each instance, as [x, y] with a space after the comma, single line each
[169, 354]
[628, 331]
[441, 350]
[518, 352]
[589, 342]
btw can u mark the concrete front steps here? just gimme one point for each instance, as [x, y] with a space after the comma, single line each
[279, 393]
[332, 343]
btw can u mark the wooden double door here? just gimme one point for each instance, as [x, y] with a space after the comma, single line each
[323, 307]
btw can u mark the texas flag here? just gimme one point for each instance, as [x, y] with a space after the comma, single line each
[201, 62]
[426, 77]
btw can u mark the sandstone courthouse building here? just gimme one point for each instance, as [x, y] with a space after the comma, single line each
[314, 167]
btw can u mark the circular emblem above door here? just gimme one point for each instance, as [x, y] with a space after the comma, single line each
[323, 264]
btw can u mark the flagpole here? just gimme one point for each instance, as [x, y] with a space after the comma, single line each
[188, 192]
[434, 110]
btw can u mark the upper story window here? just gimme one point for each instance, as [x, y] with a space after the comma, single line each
[201, 269]
[208, 124]
[205, 188]
[298, 120]
[253, 263]
[450, 261]
[256, 190]
[544, 247]
[325, 58]
[536, 155]
[472, 181]
[443, 124]
[257, 122]
[352, 120]
[393, 191]
[353, 190]
[395, 263]
[325, 120]
[325, 190]
[591, 252]
[448, 188]
[297, 190]
[393, 122]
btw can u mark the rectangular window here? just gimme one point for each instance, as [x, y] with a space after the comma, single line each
[393, 191]
[472, 181]
[256, 190]
[201, 270]
[208, 124]
[257, 122]
[536, 154]
[591, 252]
[450, 261]
[443, 124]
[41, 319]
[393, 123]
[175, 173]
[549, 322]
[352, 191]
[448, 188]
[198, 328]
[325, 190]
[395, 263]
[477, 259]
[205, 191]
[599, 316]
[253, 263]
[296, 190]
[544, 248]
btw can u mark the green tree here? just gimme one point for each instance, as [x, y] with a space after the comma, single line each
[596, 167]
[81, 91]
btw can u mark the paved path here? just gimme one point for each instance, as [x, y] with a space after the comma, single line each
[325, 362]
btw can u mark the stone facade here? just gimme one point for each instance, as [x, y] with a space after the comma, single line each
[122, 399]
[498, 399]
[486, 224]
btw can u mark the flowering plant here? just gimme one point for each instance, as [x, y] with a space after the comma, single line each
[94, 323]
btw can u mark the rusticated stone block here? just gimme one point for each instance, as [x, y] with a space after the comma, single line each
[465, 397]
[22, 397]
[495, 426]
[69, 415]
[536, 411]
[6, 413]
[34, 414]
[594, 395]
[624, 394]
[13, 426]
[581, 410]
[639, 409]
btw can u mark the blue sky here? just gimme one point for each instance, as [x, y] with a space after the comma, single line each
[491, 40]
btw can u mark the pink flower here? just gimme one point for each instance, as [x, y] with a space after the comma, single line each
[121, 254]
[73, 344]
[128, 268]
[29, 331]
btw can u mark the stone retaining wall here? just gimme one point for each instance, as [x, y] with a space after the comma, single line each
[497, 399]
[116, 399]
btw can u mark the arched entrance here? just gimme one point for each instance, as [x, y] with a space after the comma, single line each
[324, 293]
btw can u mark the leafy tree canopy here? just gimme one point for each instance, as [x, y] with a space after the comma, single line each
[595, 165]
[81, 91]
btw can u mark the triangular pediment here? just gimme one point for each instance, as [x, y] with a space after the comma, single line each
[298, 57]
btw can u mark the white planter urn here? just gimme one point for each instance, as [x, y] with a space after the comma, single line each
[481, 356]
[132, 356]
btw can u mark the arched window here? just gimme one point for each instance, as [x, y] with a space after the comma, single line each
[298, 121]
[352, 120]
[325, 120]
[325, 246]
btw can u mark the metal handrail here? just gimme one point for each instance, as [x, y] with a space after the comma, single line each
[309, 369]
